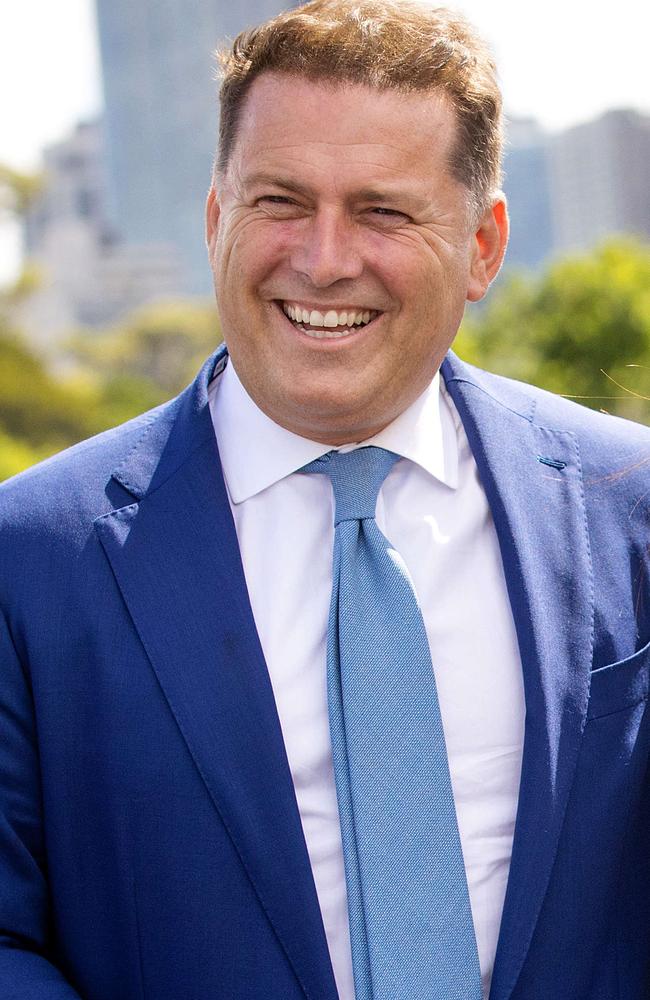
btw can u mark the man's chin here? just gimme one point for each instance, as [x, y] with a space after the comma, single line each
[332, 420]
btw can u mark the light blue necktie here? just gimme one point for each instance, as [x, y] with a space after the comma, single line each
[410, 920]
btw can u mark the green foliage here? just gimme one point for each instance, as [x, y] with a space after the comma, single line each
[17, 190]
[117, 375]
[16, 456]
[581, 328]
[155, 353]
[40, 412]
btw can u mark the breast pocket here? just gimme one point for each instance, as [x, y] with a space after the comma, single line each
[619, 685]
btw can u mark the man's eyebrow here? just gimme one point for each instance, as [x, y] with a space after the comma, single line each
[366, 195]
[272, 180]
[393, 195]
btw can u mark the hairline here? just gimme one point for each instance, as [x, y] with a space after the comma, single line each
[477, 203]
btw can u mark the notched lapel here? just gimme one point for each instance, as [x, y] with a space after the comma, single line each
[533, 481]
[175, 556]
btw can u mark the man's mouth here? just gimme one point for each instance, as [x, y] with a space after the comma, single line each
[330, 323]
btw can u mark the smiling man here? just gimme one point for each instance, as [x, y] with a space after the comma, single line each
[329, 677]
[344, 250]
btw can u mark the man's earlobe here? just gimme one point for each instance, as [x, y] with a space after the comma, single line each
[211, 215]
[491, 239]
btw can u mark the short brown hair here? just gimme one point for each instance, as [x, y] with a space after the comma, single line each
[386, 44]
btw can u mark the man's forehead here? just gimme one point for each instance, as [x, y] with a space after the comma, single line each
[273, 93]
[286, 118]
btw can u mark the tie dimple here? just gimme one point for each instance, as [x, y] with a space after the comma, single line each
[356, 477]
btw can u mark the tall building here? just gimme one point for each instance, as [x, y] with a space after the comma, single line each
[599, 179]
[87, 277]
[527, 187]
[161, 117]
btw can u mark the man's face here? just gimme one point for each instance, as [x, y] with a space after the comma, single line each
[343, 252]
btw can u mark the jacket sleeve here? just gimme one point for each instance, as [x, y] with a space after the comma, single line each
[27, 971]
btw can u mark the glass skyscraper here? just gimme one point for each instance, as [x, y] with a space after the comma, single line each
[160, 91]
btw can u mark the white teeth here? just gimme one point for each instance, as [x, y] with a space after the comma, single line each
[329, 320]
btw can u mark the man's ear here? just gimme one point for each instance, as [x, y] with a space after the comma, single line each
[490, 241]
[212, 212]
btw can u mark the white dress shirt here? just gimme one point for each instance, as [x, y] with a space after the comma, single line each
[435, 513]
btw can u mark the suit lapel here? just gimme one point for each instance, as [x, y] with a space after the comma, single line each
[175, 556]
[538, 511]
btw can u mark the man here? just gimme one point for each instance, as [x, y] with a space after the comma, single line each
[180, 817]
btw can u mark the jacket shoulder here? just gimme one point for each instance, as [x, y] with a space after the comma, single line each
[74, 480]
[600, 435]
[60, 498]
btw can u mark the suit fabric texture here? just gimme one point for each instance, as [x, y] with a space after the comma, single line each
[150, 841]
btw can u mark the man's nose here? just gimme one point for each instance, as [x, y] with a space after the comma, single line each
[327, 249]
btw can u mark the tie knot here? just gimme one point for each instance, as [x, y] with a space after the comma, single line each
[356, 479]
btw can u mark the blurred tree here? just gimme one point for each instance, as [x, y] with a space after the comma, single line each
[36, 408]
[15, 456]
[23, 434]
[129, 369]
[580, 328]
[17, 190]
[156, 352]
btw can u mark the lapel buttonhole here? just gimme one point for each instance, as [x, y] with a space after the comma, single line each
[553, 462]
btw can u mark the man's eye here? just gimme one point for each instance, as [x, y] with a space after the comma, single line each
[279, 206]
[388, 213]
[276, 199]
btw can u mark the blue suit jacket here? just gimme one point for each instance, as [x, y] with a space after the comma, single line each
[150, 842]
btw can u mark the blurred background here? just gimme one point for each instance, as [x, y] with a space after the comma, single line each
[109, 122]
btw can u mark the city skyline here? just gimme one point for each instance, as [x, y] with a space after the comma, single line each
[596, 67]
[605, 63]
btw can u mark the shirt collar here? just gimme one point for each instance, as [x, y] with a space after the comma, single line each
[261, 452]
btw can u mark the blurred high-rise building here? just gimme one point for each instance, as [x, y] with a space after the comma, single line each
[599, 179]
[87, 277]
[527, 187]
[161, 116]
